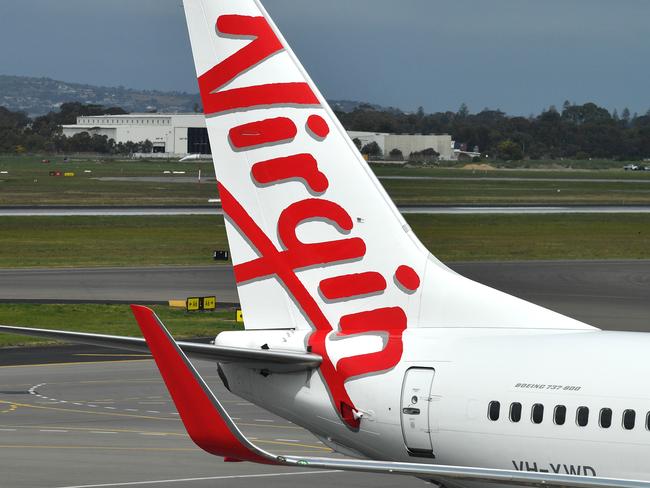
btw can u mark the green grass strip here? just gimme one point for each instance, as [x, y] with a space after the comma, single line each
[190, 240]
[108, 319]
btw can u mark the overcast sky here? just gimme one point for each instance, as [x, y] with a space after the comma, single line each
[517, 55]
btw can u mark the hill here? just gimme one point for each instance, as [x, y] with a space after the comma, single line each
[38, 96]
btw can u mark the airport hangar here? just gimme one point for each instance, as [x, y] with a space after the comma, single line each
[177, 135]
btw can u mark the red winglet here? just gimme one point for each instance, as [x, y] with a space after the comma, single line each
[204, 417]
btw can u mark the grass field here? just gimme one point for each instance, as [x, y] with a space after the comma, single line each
[27, 182]
[108, 319]
[109, 241]
[140, 241]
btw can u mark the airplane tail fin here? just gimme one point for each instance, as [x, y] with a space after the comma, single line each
[316, 242]
[308, 223]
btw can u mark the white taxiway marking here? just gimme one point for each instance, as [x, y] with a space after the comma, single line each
[264, 420]
[187, 480]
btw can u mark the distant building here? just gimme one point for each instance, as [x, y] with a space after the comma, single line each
[171, 134]
[407, 143]
[177, 135]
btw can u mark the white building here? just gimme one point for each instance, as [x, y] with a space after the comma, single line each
[177, 135]
[407, 143]
[171, 134]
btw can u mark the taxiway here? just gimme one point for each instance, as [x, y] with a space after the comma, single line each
[112, 424]
[608, 294]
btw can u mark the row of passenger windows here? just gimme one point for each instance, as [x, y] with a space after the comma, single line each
[628, 419]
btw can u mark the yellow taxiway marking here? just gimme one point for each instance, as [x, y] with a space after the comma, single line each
[12, 407]
[270, 426]
[48, 365]
[83, 429]
[131, 449]
[90, 412]
[117, 414]
[297, 444]
[114, 355]
[107, 448]
[159, 433]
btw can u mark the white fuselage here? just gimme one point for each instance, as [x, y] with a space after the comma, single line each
[471, 368]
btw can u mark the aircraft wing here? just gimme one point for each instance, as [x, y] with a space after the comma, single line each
[273, 360]
[212, 429]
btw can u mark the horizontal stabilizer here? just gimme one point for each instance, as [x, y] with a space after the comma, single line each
[273, 360]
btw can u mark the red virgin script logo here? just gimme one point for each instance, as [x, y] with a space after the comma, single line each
[294, 255]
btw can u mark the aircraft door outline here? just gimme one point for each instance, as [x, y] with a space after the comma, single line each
[415, 408]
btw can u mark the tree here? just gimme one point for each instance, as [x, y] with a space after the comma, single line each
[463, 111]
[396, 155]
[357, 142]
[625, 116]
[371, 149]
[509, 150]
[428, 155]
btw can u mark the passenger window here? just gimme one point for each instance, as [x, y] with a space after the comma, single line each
[629, 418]
[582, 416]
[537, 413]
[515, 412]
[493, 411]
[559, 415]
[605, 419]
[647, 421]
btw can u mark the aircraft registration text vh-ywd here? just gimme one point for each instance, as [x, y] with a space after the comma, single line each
[355, 331]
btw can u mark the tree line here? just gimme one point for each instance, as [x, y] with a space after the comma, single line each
[574, 132]
[20, 133]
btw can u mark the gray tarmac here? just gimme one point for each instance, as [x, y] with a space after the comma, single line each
[106, 211]
[117, 285]
[608, 294]
[110, 424]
